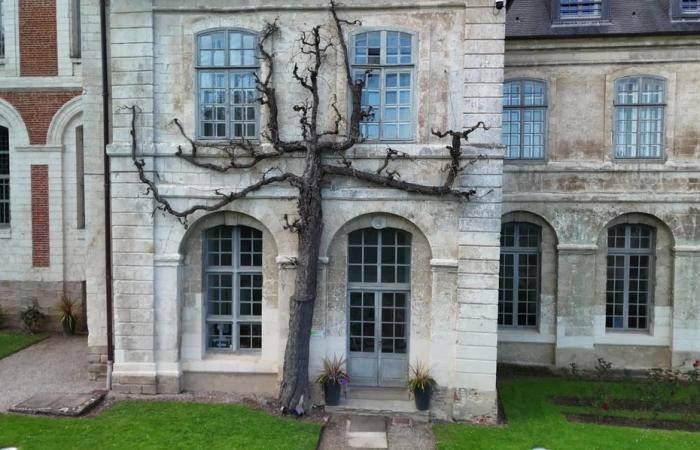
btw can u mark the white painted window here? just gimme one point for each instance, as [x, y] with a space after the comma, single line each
[519, 274]
[580, 9]
[524, 119]
[2, 32]
[228, 106]
[639, 117]
[690, 7]
[385, 60]
[630, 267]
[79, 178]
[75, 36]
[4, 176]
[233, 283]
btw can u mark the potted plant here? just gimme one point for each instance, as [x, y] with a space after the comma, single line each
[421, 383]
[333, 377]
[66, 315]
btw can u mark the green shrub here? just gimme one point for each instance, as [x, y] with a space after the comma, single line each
[31, 316]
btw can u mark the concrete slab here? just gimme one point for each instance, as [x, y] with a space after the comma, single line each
[366, 432]
[375, 424]
[53, 404]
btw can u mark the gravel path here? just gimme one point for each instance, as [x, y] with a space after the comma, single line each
[57, 364]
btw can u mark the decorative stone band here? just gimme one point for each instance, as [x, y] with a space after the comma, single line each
[168, 260]
[444, 264]
[39, 148]
[577, 249]
[687, 250]
[296, 7]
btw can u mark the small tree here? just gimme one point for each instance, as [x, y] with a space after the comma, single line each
[324, 153]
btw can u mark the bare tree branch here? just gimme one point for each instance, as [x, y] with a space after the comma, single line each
[225, 199]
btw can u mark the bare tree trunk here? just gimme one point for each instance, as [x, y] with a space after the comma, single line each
[295, 377]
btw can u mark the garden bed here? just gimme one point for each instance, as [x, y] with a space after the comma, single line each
[636, 422]
[626, 404]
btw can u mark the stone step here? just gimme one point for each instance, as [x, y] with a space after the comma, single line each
[374, 393]
[379, 407]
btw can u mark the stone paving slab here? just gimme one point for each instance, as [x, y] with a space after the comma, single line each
[366, 432]
[54, 404]
[56, 364]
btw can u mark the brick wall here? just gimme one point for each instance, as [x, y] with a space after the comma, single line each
[38, 108]
[37, 38]
[40, 216]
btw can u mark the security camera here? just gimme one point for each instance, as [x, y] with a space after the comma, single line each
[500, 4]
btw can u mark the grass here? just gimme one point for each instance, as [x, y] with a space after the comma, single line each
[534, 421]
[12, 342]
[156, 425]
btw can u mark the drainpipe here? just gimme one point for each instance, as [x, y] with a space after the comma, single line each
[107, 190]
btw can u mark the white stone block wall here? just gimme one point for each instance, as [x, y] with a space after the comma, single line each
[152, 45]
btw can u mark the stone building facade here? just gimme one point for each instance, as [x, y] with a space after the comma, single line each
[184, 322]
[47, 169]
[605, 168]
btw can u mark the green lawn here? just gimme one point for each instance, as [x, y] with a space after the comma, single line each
[534, 421]
[161, 425]
[11, 342]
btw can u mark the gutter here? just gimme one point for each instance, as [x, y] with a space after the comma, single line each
[109, 297]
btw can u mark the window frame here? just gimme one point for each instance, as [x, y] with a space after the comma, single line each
[228, 70]
[516, 251]
[677, 12]
[627, 252]
[6, 180]
[616, 106]
[379, 287]
[573, 20]
[2, 30]
[382, 67]
[235, 271]
[522, 108]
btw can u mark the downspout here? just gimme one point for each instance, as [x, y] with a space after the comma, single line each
[107, 191]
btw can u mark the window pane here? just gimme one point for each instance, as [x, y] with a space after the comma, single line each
[524, 115]
[219, 335]
[4, 176]
[572, 9]
[519, 274]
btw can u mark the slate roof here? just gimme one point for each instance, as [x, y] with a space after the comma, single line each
[536, 19]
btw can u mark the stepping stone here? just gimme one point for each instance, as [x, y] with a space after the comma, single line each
[366, 432]
[71, 405]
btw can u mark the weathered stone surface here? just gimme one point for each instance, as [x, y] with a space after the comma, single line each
[72, 405]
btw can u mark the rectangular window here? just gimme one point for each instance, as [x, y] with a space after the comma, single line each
[75, 36]
[234, 283]
[4, 176]
[384, 60]
[524, 116]
[519, 275]
[639, 118]
[690, 7]
[2, 33]
[80, 177]
[228, 98]
[629, 276]
[580, 9]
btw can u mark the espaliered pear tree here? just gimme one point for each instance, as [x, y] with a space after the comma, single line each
[324, 154]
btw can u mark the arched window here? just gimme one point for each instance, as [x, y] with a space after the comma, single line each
[630, 267]
[524, 119]
[233, 288]
[379, 272]
[4, 176]
[384, 59]
[519, 275]
[639, 117]
[227, 96]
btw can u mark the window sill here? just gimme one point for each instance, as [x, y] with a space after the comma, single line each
[641, 338]
[524, 161]
[231, 363]
[530, 335]
[660, 160]
[5, 233]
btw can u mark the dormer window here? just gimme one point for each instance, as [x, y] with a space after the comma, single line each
[690, 7]
[580, 9]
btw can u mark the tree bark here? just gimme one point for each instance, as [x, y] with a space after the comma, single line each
[295, 376]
